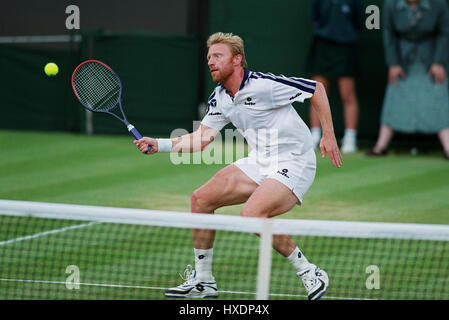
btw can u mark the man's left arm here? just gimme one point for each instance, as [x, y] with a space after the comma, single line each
[328, 142]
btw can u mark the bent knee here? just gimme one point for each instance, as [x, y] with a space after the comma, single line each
[200, 203]
[247, 212]
[197, 200]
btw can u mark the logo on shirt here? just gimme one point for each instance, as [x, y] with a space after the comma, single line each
[284, 173]
[249, 102]
[211, 103]
[295, 96]
[214, 114]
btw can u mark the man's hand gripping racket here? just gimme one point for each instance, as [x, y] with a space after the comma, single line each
[99, 89]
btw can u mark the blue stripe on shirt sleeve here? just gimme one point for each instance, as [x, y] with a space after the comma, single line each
[293, 82]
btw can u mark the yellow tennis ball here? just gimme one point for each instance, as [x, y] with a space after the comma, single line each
[51, 69]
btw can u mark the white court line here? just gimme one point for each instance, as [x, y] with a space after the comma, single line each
[162, 288]
[41, 234]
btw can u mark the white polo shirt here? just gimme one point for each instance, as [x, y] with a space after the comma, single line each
[262, 111]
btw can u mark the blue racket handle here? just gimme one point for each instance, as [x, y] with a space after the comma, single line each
[137, 135]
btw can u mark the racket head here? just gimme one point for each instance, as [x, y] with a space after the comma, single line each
[96, 86]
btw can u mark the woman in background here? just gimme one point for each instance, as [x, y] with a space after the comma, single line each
[416, 41]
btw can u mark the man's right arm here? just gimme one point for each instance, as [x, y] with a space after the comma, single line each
[192, 142]
[195, 141]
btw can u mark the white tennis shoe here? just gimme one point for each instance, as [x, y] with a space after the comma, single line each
[315, 280]
[192, 287]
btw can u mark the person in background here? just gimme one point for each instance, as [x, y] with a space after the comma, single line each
[334, 54]
[416, 41]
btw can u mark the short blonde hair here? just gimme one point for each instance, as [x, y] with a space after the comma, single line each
[234, 42]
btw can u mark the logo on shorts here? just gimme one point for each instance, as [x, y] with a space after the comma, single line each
[284, 173]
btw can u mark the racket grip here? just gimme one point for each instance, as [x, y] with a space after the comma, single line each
[137, 135]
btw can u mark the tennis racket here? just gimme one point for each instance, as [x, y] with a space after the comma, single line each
[99, 89]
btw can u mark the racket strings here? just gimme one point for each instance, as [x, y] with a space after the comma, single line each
[97, 86]
[103, 87]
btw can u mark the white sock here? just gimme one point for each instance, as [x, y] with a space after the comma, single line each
[298, 260]
[203, 264]
[351, 133]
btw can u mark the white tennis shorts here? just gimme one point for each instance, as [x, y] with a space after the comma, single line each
[297, 172]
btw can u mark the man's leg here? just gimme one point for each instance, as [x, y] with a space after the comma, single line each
[273, 198]
[228, 187]
[349, 100]
[270, 199]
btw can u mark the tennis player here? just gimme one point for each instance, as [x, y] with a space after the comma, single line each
[254, 102]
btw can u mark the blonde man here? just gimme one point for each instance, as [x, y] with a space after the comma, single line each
[254, 102]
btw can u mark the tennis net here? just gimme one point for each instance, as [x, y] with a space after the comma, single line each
[62, 251]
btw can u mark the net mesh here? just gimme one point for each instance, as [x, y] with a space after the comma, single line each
[97, 86]
[50, 251]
